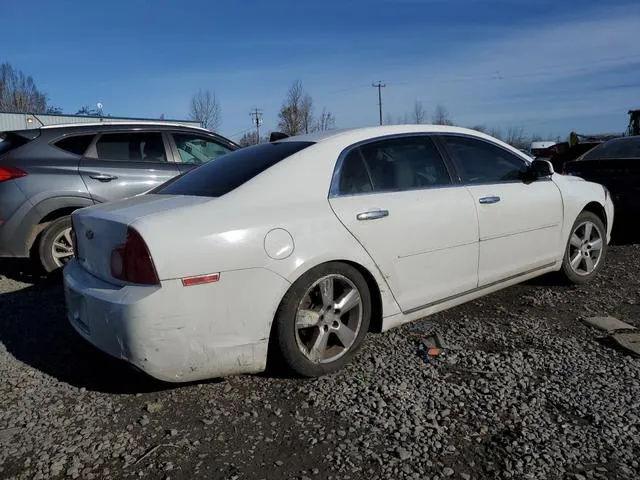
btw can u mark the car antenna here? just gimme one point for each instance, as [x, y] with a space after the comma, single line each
[36, 117]
[275, 136]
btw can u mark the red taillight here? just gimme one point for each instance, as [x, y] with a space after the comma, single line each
[132, 261]
[9, 173]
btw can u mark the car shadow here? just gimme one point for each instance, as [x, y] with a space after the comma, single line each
[35, 331]
[23, 270]
[625, 233]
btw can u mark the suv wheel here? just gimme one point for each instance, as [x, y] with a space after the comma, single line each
[56, 247]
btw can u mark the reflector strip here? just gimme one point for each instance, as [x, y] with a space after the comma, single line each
[189, 281]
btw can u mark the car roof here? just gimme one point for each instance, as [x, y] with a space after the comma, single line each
[99, 127]
[351, 136]
[381, 130]
[120, 123]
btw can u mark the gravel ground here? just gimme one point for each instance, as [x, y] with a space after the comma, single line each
[525, 390]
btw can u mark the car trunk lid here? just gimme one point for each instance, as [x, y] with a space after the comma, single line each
[101, 229]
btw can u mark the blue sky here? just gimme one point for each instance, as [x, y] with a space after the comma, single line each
[549, 66]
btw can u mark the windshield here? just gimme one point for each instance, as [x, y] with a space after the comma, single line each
[228, 172]
[618, 148]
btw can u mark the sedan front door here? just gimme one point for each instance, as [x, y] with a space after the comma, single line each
[397, 197]
[125, 164]
[520, 221]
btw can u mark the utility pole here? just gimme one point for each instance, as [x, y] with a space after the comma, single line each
[379, 86]
[256, 114]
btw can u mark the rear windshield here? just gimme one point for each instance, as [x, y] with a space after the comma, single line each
[619, 148]
[228, 172]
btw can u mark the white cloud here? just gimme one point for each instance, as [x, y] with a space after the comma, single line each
[520, 77]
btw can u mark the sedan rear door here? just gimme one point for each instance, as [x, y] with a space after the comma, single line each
[124, 164]
[399, 200]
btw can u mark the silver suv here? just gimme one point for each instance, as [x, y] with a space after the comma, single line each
[47, 173]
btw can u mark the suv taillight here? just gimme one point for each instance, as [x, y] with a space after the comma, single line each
[9, 173]
[132, 261]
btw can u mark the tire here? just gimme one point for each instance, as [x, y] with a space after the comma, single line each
[319, 323]
[582, 270]
[55, 238]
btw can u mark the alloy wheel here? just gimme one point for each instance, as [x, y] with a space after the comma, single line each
[328, 319]
[62, 247]
[585, 248]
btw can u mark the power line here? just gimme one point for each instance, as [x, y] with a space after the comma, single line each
[379, 86]
[256, 114]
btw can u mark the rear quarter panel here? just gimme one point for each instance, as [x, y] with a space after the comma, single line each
[222, 236]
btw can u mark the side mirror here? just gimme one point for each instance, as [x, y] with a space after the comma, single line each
[541, 169]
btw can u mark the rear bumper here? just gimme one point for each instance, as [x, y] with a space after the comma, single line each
[176, 333]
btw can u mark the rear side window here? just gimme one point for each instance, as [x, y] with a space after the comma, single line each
[77, 144]
[229, 171]
[10, 142]
[393, 165]
[131, 147]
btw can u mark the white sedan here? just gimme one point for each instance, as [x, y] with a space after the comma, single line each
[301, 246]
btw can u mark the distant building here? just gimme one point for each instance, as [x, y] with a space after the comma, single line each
[22, 121]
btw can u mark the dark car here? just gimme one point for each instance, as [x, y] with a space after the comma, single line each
[47, 173]
[616, 165]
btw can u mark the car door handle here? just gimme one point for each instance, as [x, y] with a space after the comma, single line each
[372, 215]
[103, 177]
[492, 199]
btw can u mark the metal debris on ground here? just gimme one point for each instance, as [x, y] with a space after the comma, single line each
[608, 324]
[431, 347]
[621, 333]
[629, 341]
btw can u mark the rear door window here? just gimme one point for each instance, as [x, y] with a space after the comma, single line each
[76, 144]
[131, 147]
[228, 172]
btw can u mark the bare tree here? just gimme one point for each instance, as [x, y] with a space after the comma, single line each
[515, 137]
[87, 110]
[291, 118]
[388, 119]
[480, 128]
[306, 110]
[206, 109]
[249, 138]
[419, 114]
[18, 92]
[326, 121]
[441, 116]
[496, 133]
